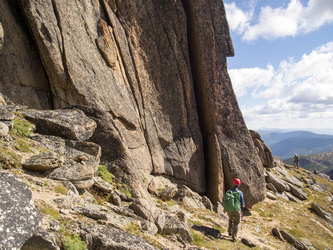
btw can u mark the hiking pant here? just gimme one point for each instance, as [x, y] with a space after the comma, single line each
[234, 220]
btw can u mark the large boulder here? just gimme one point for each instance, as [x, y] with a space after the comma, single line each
[144, 209]
[323, 214]
[319, 187]
[288, 177]
[18, 215]
[63, 161]
[44, 161]
[102, 237]
[174, 226]
[277, 182]
[298, 192]
[3, 129]
[68, 123]
[276, 232]
[6, 117]
[93, 211]
[41, 240]
[293, 241]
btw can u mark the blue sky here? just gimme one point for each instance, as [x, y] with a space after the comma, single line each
[282, 71]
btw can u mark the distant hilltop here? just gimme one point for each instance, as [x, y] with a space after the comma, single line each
[327, 131]
[322, 162]
[286, 144]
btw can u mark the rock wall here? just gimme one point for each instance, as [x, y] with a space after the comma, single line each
[145, 71]
[22, 77]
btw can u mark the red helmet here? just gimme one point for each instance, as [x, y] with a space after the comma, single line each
[237, 181]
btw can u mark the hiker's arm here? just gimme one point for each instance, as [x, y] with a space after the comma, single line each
[242, 200]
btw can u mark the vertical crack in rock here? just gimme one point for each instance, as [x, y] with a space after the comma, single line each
[202, 98]
[229, 149]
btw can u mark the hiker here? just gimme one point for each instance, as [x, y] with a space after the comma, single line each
[233, 202]
[296, 160]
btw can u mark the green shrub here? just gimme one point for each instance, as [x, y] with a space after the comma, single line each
[97, 201]
[22, 127]
[133, 228]
[45, 208]
[60, 189]
[218, 227]
[105, 174]
[124, 188]
[23, 145]
[73, 243]
[197, 239]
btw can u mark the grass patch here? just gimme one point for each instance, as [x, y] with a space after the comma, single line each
[161, 190]
[23, 145]
[60, 189]
[73, 242]
[105, 174]
[170, 202]
[124, 188]
[195, 222]
[305, 228]
[97, 200]
[268, 210]
[22, 127]
[320, 198]
[297, 219]
[47, 209]
[198, 239]
[160, 202]
[204, 218]
[152, 241]
[218, 227]
[133, 228]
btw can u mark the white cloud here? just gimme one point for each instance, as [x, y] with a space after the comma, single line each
[295, 91]
[248, 78]
[273, 23]
[239, 19]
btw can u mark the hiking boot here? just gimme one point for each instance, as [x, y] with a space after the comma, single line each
[234, 240]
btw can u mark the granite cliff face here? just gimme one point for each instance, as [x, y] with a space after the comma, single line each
[151, 74]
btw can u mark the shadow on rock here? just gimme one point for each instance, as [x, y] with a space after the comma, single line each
[246, 212]
[208, 231]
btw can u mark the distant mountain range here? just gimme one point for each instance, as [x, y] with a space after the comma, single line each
[286, 144]
[321, 162]
[326, 131]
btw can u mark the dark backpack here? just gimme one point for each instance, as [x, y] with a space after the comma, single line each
[232, 201]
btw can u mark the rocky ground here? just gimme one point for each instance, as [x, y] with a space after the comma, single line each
[99, 212]
[65, 213]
